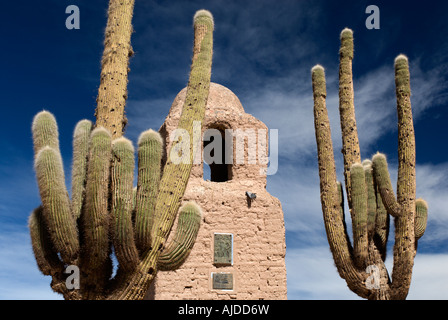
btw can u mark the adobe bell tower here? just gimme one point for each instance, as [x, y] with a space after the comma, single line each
[240, 248]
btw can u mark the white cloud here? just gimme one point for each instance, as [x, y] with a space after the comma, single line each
[313, 275]
[432, 185]
[429, 277]
[298, 190]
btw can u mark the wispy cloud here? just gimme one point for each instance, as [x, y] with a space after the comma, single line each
[263, 52]
[432, 185]
[313, 275]
[19, 276]
[289, 108]
[429, 277]
[146, 114]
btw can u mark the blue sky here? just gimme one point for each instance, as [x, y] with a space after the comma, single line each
[263, 52]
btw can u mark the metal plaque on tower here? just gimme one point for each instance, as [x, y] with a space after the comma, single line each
[223, 249]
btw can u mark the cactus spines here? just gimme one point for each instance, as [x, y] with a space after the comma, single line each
[350, 142]
[385, 188]
[112, 92]
[203, 13]
[122, 177]
[46, 258]
[203, 24]
[180, 246]
[56, 203]
[48, 261]
[359, 207]
[382, 224]
[421, 217]
[81, 140]
[95, 217]
[347, 46]
[45, 131]
[98, 220]
[370, 195]
[150, 150]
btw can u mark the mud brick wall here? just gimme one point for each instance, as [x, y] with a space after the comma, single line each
[258, 270]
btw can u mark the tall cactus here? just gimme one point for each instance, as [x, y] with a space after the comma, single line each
[370, 196]
[98, 219]
[112, 92]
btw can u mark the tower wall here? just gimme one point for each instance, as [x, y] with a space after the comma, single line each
[249, 259]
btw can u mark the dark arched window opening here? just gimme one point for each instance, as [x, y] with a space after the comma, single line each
[217, 167]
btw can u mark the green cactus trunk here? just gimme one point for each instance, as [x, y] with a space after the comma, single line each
[359, 206]
[81, 141]
[149, 168]
[112, 92]
[187, 228]
[370, 194]
[122, 177]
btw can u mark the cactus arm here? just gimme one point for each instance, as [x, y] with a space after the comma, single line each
[177, 251]
[371, 198]
[342, 213]
[406, 139]
[52, 189]
[175, 176]
[112, 92]
[382, 223]
[421, 217]
[45, 132]
[341, 205]
[350, 142]
[122, 174]
[56, 204]
[341, 199]
[95, 219]
[149, 168]
[404, 248]
[81, 138]
[330, 196]
[359, 207]
[46, 258]
[382, 179]
[95, 215]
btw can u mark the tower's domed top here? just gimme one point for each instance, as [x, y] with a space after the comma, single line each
[220, 98]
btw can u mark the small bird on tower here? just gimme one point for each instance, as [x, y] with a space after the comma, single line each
[251, 195]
